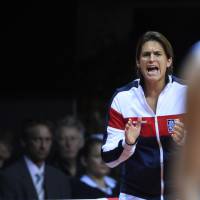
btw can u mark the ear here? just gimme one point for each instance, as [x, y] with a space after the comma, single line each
[169, 62]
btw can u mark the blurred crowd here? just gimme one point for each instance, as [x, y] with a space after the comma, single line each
[55, 160]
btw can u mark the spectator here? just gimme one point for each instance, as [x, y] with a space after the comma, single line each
[69, 141]
[6, 144]
[95, 183]
[30, 177]
[6, 137]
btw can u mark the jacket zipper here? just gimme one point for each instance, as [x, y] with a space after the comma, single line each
[161, 158]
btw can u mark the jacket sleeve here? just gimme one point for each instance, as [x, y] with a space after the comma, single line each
[115, 150]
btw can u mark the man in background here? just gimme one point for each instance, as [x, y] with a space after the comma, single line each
[69, 141]
[30, 177]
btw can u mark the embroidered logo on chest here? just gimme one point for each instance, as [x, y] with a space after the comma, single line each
[170, 125]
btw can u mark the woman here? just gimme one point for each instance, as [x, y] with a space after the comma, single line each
[145, 123]
[96, 182]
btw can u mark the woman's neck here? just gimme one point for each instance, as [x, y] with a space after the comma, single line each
[152, 92]
[153, 89]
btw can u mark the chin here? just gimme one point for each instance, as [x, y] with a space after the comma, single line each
[68, 157]
[42, 158]
[153, 78]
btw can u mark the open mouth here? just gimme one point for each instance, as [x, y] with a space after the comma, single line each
[152, 69]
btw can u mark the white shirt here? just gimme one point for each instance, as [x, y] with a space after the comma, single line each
[110, 182]
[34, 170]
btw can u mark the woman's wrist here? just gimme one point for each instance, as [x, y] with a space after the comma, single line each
[131, 144]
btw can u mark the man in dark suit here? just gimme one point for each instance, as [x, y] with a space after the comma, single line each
[30, 177]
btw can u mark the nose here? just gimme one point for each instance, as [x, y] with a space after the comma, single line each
[43, 144]
[152, 57]
[67, 143]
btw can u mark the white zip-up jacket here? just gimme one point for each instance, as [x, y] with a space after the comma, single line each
[145, 165]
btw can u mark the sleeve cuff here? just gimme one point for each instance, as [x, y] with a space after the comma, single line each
[129, 147]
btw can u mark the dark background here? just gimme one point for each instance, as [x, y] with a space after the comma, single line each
[68, 56]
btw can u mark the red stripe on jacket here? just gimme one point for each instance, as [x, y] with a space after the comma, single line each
[148, 129]
[116, 120]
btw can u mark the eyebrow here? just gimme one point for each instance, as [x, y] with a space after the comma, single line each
[147, 51]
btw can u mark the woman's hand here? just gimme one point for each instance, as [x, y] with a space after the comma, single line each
[132, 131]
[179, 132]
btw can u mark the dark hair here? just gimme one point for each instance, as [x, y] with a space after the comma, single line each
[158, 37]
[30, 123]
[70, 122]
[90, 142]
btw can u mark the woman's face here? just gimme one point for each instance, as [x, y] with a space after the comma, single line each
[94, 163]
[153, 61]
